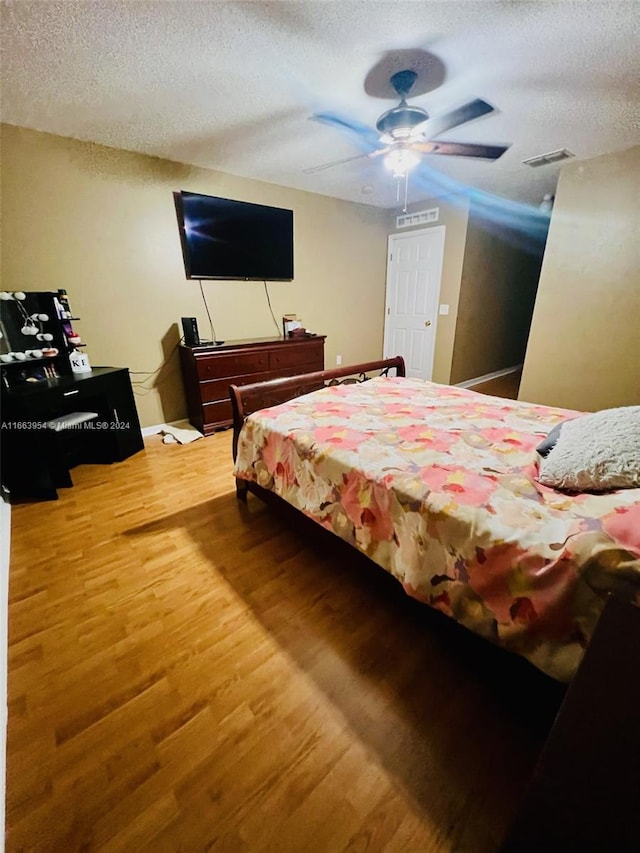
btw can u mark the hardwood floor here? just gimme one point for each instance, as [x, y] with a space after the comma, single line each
[187, 673]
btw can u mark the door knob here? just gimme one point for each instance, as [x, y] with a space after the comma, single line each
[427, 322]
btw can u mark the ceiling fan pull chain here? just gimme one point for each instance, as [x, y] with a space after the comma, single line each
[406, 190]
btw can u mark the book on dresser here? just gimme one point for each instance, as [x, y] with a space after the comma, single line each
[207, 372]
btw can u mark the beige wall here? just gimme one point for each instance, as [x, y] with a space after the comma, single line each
[453, 214]
[584, 350]
[101, 223]
[497, 294]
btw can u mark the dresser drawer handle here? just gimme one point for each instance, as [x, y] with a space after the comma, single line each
[70, 393]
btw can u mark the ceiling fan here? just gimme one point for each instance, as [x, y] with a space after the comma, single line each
[406, 132]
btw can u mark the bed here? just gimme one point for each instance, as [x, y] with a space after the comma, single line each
[437, 485]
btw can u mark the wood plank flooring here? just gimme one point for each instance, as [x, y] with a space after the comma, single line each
[187, 673]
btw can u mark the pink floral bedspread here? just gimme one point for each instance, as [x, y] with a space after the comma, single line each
[438, 486]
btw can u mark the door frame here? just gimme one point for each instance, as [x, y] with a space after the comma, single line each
[398, 235]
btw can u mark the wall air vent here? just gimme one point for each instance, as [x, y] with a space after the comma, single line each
[421, 217]
[551, 157]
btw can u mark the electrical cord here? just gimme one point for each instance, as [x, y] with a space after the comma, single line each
[158, 369]
[149, 374]
[142, 389]
[214, 337]
[275, 322]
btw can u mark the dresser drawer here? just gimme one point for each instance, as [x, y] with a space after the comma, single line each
[218, 389]
[233, 364]
[297, 355]
[217, 413]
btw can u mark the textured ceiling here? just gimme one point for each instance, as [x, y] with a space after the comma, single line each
[232, 85]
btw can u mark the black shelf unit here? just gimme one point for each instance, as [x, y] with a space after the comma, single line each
[13, 317]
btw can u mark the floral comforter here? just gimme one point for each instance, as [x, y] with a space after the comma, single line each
[438, 486]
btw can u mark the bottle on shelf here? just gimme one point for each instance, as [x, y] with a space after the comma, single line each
[63, 302]
[73, 338]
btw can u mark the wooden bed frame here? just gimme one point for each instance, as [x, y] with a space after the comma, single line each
[246, 399]
[585, 790]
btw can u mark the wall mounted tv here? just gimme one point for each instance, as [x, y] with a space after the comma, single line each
[227, 239]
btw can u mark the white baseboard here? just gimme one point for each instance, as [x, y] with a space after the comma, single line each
[469, 383]
[156, 428]
[152, 430]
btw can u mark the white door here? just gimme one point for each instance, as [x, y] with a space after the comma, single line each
[414, 270]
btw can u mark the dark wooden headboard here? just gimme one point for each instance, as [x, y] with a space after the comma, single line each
[246, 399]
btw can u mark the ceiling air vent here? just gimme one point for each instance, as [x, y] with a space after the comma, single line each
[551, 157]
[421, 217]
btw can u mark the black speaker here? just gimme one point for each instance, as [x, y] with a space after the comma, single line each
[190, 331]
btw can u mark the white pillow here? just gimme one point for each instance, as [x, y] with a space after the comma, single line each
[596, 452]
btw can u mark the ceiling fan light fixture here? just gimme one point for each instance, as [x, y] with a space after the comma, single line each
[399, 122]
[400, 161]
[401, 134]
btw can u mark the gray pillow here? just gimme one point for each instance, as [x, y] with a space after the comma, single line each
[595, 453]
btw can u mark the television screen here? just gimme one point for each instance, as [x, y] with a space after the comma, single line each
[222, 238]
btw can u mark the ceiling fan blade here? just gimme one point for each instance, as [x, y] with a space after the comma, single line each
[439, 124]
[366, 137]
[363, 131]
[461, 149]
[324, 166]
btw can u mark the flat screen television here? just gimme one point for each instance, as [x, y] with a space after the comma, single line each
[223, 238]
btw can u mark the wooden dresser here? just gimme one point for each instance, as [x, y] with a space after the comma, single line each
[208, 371]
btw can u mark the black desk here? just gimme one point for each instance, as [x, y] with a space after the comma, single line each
[35, 459]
